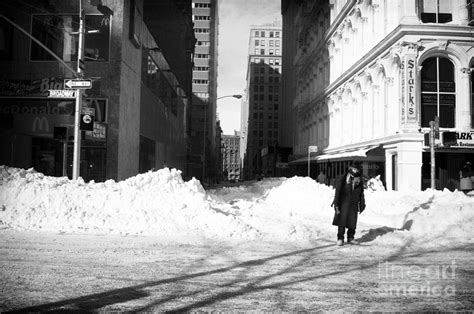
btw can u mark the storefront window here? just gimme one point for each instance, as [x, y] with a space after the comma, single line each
[60, 34]
[436, 11]
[438, 97]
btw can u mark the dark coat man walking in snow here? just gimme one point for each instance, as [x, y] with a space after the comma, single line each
[348, 202]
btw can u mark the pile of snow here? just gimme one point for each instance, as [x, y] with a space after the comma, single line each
[274, 209]
[154, 203]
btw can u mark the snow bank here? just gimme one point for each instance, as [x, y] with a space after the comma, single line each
[154, 203]
[275, 209]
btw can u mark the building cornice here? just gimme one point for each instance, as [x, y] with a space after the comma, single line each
[433, 31]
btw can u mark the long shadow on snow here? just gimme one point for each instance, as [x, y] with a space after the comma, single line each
[376, 232]
[99, 300]
[255, 287]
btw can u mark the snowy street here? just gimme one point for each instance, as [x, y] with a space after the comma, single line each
[157, 242]
[43, 272]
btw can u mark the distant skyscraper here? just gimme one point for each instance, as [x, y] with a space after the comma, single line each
[260, 111]
[231, 156]
[204, 153]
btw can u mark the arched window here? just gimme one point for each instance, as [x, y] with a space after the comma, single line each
[438, 92]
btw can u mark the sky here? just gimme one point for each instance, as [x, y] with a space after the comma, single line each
[235, 19]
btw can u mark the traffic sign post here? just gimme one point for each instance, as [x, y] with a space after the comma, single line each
[78, 84]
[311, 149]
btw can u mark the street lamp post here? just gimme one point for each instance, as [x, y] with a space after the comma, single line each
[204, 134]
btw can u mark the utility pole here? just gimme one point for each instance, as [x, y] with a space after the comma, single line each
[434, 129]
[77, 111]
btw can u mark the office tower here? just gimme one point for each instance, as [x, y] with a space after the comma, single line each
[260, 110]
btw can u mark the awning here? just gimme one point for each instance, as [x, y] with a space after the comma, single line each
[345, 155]
[359, 153]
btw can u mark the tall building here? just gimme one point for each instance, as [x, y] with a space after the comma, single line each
[139, 106]
[261, 108]
[231, 156]
[204, 152]
[367, 79]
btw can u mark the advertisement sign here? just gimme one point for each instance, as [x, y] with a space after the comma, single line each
[410, 89]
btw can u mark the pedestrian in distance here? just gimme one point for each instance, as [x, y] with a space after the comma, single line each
[348, 202]
[465, 182]
[321, 178]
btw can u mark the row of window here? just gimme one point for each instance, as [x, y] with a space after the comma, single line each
[203, 43]
[258, 106]
[201, 69]
[271, 43]
[270, 133]
[262, 69]
[263, 34]
[261, 79]
[270, 116]
[201, 5]
[271, 88]
[271, 52]
[198, 81]
[267, 61]
[201, 56]
[202, 30]
[204, 96]
[270, 97]
[201, 18]
[259, 125]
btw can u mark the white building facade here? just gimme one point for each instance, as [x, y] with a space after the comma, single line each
[370, 75]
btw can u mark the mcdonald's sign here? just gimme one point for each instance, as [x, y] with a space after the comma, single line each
[40, 125]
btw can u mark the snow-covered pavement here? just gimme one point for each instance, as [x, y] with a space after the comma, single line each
[156, 242]
[44, 271]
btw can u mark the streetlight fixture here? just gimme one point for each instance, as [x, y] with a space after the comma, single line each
[238, 96]
[235, 96]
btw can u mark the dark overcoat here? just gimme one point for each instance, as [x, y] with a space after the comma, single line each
[350, 200]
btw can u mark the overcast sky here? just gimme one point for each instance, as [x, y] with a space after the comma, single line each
[235, 19]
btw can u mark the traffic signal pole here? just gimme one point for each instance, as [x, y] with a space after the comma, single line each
[77, 112]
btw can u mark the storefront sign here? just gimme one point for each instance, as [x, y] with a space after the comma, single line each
[40, 87]
[465, 139]
[410, 88]
[98, 133]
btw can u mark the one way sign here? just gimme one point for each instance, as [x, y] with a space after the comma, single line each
[77, 84]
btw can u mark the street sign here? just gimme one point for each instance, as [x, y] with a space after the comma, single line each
[77, 84]
[312, 149]
[62, 93]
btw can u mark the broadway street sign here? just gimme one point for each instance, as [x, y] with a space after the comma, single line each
[81, 84]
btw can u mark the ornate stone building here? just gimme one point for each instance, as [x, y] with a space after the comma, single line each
[368, 76]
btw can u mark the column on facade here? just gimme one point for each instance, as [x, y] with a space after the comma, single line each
[463, 100]
[358, 111]
[378, 19]
[392, 14]
[409, 165]
[387, 103]
[392, 65]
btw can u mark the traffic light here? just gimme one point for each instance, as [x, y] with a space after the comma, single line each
[449, 138]
[60, 133]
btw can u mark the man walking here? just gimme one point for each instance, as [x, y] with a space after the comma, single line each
[348, 202]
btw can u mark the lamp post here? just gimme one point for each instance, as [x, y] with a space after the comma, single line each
[238, 96]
